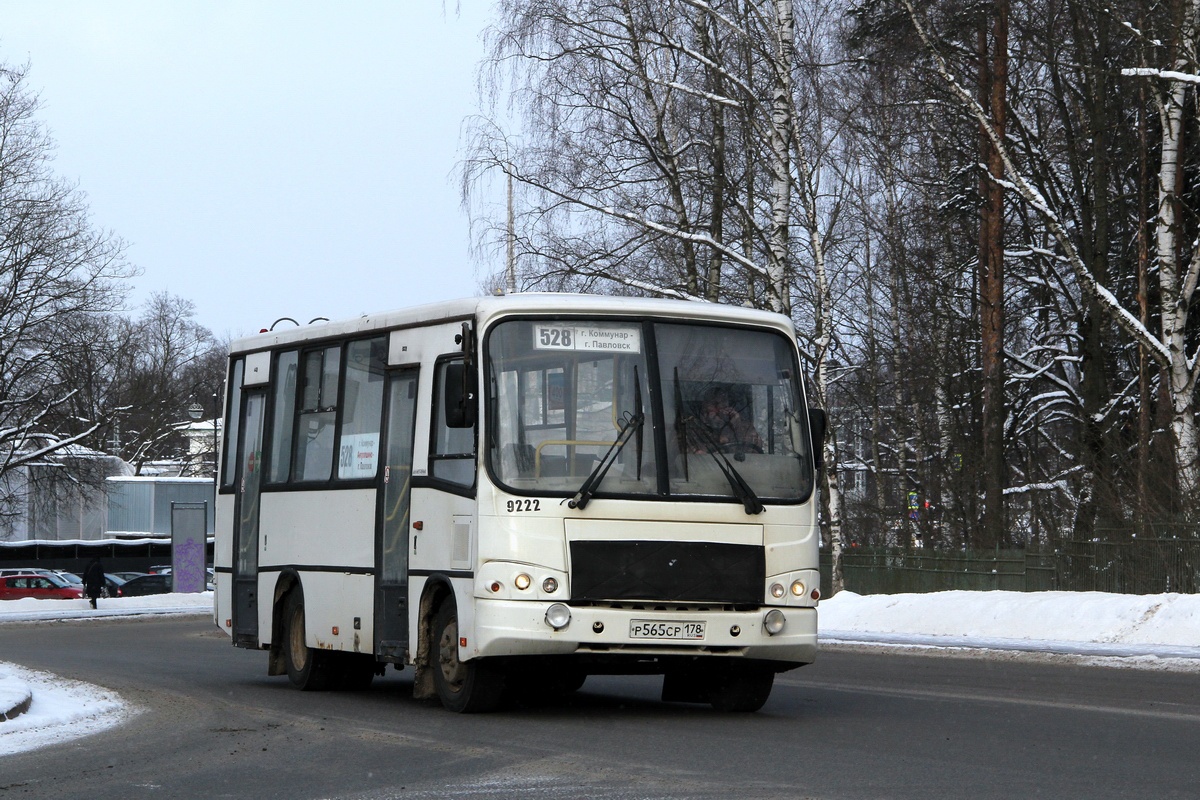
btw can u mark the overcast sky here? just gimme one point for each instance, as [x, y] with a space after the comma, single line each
[265, 159]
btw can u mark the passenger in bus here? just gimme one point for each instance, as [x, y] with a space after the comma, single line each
[725, 427]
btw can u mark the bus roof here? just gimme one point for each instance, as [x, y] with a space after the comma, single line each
[485, 308]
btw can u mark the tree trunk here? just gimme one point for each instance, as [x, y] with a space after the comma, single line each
[993, 81]
[1097, 490]
[1175, 292]
[781, 132]
[896, 520]
[834, 504]
[716, 225]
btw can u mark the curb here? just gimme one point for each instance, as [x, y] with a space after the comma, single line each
[11, 688]
[25, 617]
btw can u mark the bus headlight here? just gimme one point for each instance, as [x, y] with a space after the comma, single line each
[550, 585]
[558, 616]
[798, 588]
[772, 622]
[777, 590]
[522, 581]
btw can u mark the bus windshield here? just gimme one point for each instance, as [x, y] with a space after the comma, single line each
[653, 410]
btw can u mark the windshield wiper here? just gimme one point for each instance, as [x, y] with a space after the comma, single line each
[633, 423]
[741, 490]
[681, 426]
[637, 401]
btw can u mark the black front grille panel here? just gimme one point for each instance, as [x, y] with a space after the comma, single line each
[681, 572]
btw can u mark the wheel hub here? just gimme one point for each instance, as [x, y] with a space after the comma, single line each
[448, 656]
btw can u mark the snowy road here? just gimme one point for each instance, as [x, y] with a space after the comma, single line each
[1155, 632]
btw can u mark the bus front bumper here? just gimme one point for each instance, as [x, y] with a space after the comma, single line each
[516, 628]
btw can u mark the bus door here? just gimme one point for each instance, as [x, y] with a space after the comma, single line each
[391, 587]
[248, 480]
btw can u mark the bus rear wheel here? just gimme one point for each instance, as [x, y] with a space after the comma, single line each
[465, 687]
[308, 669]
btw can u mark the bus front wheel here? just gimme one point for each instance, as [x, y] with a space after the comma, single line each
[308, 669]
[741, 687]
[463, 686]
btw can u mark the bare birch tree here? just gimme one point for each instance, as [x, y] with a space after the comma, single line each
[964, 228]
[54, 267]
[635, 117]
[1177, 282]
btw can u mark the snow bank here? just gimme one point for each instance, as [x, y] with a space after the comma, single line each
[29, 608]
[61, 710]
[14, 696]
[1093, 617]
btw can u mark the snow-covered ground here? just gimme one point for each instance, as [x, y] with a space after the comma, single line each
[1149, 631]
[1136, 631]
[63, 709]
[31, 610]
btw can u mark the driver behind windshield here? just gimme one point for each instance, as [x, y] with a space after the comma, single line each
[726, 428]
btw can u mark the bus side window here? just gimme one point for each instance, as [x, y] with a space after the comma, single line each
[230, 443]
[362, 412]
[318, 410]
[283, 416]
[452, 451]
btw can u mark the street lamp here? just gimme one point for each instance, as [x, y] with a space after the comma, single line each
[216, 444]
[196, 412]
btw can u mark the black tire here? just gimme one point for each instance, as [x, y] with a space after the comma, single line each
[355, 672]
[572, 681]
[741, 687]
[545, 684]
[466, 687]
[308, 669]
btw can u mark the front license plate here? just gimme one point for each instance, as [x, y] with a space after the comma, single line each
[661, 629]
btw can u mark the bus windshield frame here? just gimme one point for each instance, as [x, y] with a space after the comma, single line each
[645, 409]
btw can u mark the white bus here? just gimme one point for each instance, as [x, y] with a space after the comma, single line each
[512, 493]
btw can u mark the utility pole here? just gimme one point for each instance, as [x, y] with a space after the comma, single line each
[511, 287]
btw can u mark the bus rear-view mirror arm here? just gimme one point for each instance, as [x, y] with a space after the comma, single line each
[459, 397]
[816, 428]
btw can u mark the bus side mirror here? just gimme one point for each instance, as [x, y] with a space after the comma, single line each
[459, 397]
[816, 430]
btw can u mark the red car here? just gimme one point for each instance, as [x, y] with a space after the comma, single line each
[50, 587]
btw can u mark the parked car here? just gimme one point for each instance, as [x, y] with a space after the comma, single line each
[24, 571]
[210, 580]
[145, 584]
[126, 575]
[47, 587]
[69, 577]
[112, 584]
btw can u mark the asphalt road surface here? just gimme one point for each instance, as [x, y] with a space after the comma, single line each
[857, 724]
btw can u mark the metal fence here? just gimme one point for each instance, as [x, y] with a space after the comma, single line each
[117, 555]
[1140, 566]
[1137, 566]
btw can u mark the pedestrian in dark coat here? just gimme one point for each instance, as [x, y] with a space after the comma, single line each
[93, 581]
